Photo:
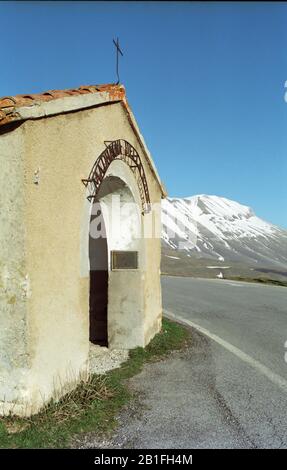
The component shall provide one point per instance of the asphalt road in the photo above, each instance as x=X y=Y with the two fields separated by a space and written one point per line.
x=228 y=389
x=244 y=327
x=252 y=317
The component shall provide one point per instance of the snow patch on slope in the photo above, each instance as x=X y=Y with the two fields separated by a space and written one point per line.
x=221 y=228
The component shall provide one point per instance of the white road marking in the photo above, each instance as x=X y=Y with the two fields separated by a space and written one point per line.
x=231 y=284
x=272 y=376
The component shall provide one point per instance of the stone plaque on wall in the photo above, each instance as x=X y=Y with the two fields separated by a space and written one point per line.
x=124 y=260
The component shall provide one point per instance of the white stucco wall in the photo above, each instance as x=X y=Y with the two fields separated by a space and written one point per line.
x=14 y=278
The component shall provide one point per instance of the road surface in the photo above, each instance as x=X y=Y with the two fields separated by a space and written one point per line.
x=228 y=389
x=252 y=317
x=244 y=326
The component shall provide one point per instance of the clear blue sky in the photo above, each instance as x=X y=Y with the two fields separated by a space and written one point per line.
x=205 y=82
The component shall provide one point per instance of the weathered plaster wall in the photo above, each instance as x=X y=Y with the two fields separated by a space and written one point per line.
x=152 y=291
x=57 y=153
x=14 y=278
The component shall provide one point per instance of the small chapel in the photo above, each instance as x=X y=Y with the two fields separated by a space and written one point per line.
x=78 y=266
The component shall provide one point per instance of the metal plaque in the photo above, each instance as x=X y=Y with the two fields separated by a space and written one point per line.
x=124 y=259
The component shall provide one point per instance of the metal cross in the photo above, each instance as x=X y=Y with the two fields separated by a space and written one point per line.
x=117 y=44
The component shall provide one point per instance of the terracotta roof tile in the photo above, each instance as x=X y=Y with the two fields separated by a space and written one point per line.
x=9 y=104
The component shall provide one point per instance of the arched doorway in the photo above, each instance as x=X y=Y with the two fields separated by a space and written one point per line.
x=122 y=290
x=115 y=226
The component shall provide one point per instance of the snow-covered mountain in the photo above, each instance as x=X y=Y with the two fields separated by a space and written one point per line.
x=212 y=227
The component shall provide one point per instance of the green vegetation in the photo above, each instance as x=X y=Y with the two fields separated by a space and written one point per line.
x=94 y=404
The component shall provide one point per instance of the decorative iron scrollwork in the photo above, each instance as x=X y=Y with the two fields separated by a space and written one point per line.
x=118 y=150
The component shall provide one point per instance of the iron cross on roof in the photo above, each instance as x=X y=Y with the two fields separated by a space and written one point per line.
x=117 y=44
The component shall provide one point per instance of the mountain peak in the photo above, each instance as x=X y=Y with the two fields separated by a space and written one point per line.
x=217 y=227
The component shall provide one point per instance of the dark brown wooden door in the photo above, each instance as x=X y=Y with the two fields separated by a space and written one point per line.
x=98 y=256
x=98 y=307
